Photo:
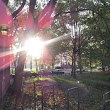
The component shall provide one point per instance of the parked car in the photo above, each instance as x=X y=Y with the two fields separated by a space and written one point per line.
x=58 y=70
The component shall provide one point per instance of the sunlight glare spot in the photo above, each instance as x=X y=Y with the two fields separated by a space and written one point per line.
x=65 y=36
x=34 y=47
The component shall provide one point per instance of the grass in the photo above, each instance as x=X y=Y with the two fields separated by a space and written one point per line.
x=29 y=80
x=67 y=79
x=93 y=85
x=97 y=76
x=95 y=80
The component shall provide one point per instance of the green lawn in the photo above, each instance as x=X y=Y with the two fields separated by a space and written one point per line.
x=92 y=87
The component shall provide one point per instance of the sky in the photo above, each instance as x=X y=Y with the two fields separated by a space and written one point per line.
x=12 y=1
x=40 y=1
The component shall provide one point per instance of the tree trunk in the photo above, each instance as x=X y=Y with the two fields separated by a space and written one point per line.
x=22 y=54
x=79 y=52
x=73 y=72
x=19 y=72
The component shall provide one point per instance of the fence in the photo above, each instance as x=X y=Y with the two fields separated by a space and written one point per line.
x=45 y=97
x=106 y=101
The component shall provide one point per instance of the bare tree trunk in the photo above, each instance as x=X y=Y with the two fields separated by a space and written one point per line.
x=73 y=72
x=21 y=61
x=79 y=52
x=19 y=72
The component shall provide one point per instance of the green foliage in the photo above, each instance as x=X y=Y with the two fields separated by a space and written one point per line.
x=95 y=29
x=12 y=70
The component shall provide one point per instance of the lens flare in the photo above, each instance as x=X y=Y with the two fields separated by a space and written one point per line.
x=34 y=47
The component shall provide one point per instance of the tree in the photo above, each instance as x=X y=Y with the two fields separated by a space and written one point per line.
x=22 y=54
x=94 y=21
x=98 y=30
x=30 y=26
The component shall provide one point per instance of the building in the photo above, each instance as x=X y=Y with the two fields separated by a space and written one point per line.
x=5 y=59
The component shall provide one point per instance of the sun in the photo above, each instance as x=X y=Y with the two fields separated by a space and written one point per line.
x=34 y=47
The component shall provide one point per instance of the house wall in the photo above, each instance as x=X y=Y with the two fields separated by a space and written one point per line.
x=5 y=59
x=4 y=82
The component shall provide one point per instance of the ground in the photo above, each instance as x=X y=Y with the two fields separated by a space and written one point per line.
x=55 y=89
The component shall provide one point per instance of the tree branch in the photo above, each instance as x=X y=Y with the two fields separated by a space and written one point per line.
x=15 y=13
x=32 y=6
x=103 y=2
x=79 y=10
x=5 y=2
